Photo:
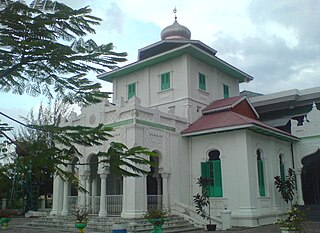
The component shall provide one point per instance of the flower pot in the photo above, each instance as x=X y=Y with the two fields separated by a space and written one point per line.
x=157 y=224
x=80 y=226
x=286 y=230
x=211 y=227
x=5 y=223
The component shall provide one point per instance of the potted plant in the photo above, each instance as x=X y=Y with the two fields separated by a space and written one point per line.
x=156 y=217
x=286 y=186
x=202 y=202
x=81 y=214
x=5 y=217
x=292 y=224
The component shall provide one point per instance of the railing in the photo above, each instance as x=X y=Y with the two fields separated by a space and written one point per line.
x=94 y=203
x=154 y=202
x=114 y=205
x=73 y=203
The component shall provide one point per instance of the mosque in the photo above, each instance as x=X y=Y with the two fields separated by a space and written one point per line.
x=182 y=101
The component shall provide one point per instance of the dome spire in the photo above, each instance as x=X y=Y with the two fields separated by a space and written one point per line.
x=175 y=13
x=176 y=31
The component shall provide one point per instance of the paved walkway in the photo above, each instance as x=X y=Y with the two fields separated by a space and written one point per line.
x=309 y=227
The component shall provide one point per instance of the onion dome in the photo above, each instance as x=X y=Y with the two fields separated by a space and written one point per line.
x=176 y=31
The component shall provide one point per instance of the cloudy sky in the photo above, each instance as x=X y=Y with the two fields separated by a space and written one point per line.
x=276 y=42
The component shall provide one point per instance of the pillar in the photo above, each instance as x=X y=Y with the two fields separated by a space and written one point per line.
x=65 y=206
x=88 y=193
x=299 y=187
x=165 y=191
x=94 y=196
x=57 y=194
x=82 y=201
x=103 y=196
x=134 y=197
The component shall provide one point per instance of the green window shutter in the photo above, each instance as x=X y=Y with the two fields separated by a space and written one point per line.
x=131 y=90
x=165 y=81
x=282 y=172
x=225 y=91
x=202 y=82
x=217 y=178
x=205 y=173
x=262 y=190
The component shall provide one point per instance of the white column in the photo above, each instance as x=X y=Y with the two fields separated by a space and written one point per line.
x=65 y=207
x=299 y=187
x=94 y=195
x=57 y=193
x=103 y=196
x=165 y=191
x=88 y=193
x=134 y=197
x=82 y=202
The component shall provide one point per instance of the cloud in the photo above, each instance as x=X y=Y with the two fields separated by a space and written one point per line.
x=283 y=51
x=113 y=18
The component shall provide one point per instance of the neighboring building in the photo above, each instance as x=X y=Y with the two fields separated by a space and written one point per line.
x=182 y=101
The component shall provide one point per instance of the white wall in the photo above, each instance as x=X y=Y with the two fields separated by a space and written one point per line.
x=239 y=173
x=184 y=96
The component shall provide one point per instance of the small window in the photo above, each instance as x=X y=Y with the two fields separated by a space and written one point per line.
x=131 y=90
x=202 y=82
x=225 y=91
x=260 y=165
x=165 y=81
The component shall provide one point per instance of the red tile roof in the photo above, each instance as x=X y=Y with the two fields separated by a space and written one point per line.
x=223 y=104
x=231 y=113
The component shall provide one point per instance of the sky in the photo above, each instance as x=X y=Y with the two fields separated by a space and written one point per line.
x=276 y=42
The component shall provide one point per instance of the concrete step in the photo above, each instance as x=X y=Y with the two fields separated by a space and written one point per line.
x=95 y=225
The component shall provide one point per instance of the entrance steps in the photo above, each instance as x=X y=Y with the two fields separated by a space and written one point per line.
x=53 y=224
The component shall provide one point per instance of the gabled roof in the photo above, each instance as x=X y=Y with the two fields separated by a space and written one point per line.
x=233 y=114
x=233 y=104
x=188 y=48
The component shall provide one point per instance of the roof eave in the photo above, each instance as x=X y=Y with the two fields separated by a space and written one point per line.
x=188 y=48
x=253 y=127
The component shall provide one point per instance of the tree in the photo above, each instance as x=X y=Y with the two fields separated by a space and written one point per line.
x=36 y=59
x=43 y=53
x=286 y=186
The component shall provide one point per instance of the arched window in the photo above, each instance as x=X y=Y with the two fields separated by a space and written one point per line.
x=282 y=167
x=212 y=170
x=260 y=165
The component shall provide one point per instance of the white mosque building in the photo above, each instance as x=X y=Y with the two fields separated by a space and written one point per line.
x=182 y=101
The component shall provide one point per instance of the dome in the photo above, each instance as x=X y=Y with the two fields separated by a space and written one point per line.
x=176 y=31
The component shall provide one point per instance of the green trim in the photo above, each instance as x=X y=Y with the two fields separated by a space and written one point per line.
x=214 y=61
x=141 y=122
x=155 y=125
x=120 y=123
x=309 y=137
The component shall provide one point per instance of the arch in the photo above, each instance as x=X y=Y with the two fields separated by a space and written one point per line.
x=154 y=184
x=212 y=147
x=310 y=178
x=261 y=172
